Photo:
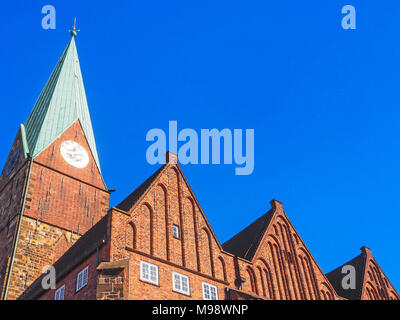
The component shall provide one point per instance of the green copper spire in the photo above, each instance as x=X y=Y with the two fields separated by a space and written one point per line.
x=61 y=103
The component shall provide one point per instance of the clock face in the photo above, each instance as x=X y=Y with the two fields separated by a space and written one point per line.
x=74 y=154
x=12 y=161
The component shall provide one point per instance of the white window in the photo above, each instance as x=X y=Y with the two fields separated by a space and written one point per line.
x=210 y=292
x=82 y=279
x=59 y=295
x=148 y=272
x=175 y=231
x=180 y=283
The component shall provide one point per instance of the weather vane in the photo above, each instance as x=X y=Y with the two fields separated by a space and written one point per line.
x=74 y=32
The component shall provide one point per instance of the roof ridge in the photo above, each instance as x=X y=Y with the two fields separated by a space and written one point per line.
x=245 y=242
x=358 y=256
x=134 y=196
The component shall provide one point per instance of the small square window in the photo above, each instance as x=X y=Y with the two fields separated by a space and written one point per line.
x=180 y=283
x=210 y=292
x=82 y=279
x=148 y=272
x=175 y=231
x=59 y=294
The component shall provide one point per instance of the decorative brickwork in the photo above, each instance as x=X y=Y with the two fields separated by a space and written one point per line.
x=283 y=268
x=376 y=285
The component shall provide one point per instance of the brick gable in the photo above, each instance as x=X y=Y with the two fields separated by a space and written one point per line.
x=285 y=261
x=376 y=285
x=169 y=201
x=371 y=283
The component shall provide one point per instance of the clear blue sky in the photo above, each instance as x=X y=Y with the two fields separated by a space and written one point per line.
x=324 y=103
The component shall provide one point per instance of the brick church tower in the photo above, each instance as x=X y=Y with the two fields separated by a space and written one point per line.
x=51 y=188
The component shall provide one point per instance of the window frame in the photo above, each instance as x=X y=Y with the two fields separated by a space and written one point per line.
x=81 y=284
x=210 y=286
x=149 y=280
x=57 y=292
x=176 y=227
x=180 y=290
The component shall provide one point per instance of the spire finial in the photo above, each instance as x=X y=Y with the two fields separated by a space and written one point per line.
x=74 y=32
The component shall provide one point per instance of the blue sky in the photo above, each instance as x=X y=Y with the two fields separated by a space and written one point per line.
x=323 y=101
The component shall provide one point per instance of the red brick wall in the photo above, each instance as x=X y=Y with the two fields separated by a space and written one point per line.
x=11 y=195
x=139 y=289
x=63 y=195
x=62 y=203
x=51 y=157
x=90 y=290
x=86 y=293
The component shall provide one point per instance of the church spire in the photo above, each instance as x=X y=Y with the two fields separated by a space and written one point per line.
x=60 y=104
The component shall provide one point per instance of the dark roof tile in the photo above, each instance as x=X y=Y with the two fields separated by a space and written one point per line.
x=336 y=276
x=128 y=203
x=245 y=243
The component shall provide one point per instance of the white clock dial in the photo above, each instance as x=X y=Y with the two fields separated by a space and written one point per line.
x=74 y=154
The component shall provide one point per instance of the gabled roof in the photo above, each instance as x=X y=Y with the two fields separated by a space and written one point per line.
x=245 y=243
x=60 y=104
x=371 y=281
x=128 y=203
x=172 y=161
x=335 y=277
